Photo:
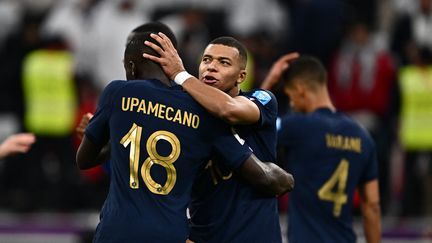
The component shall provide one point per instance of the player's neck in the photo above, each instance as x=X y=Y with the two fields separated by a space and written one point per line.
x=159 y=76
x=233 y=92
x=320 y=100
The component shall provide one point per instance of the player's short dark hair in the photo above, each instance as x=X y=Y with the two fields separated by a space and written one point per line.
x=136 y=47
x=232 y=42
x=155 y=27
x=308 y=69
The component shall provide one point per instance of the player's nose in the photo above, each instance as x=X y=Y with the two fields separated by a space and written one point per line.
x=211 y=66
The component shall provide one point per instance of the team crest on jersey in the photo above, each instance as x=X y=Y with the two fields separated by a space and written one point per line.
x=262 y=96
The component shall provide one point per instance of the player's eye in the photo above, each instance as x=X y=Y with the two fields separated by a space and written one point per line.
x=225 y=63
x=206 y=59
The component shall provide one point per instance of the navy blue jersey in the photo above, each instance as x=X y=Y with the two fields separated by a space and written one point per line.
x=224 y=208
x=160 y=138
x=329 y=155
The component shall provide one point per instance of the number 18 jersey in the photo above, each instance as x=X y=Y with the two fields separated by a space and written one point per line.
x=160 y=137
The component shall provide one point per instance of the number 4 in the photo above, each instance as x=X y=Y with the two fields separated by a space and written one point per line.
x=339 y=198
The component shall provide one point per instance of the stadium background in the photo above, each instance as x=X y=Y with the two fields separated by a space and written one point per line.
x=56 y=57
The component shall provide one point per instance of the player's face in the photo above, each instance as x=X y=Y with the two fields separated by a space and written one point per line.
x=221 y=68
x=296 y=95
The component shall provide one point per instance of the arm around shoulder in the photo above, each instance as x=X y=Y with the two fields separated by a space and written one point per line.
x=233 y=110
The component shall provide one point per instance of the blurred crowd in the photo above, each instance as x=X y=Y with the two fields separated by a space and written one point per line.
x=56 y=57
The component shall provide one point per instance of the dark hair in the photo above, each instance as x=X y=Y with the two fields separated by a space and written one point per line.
x=308 y=69
x=135 y=48
x=231 y=42
x=155 y=27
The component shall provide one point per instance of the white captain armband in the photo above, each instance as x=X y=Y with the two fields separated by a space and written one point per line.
x=181 y=77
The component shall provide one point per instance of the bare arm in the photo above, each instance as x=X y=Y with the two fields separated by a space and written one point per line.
x=371 y=212
x=237 y=110
x=233 y=110
x=277 y=69
x=17 y=143
x=266 y=177
x=89 y=155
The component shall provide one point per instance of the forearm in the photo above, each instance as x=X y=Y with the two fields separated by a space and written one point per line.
x=372 y=222
x=102 y=157
x=215 y=101
x=277 y=69
x=89 y=156
x=280 y=180
x=267 y=177
x=270 y=81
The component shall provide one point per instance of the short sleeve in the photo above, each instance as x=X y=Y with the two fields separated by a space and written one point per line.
x=98 y=128
x=267 y=104
x=232 y=150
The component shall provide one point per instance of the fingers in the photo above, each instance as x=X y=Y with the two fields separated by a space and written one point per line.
x=155 y=47
x=21 y=148
x=290 y=57
x=20 y=143
x=83 y=124
x=88 y=115
x=167 y=51
x=23 y=139
x=283 y=62
x=163 y=40
x=167 y=40
x=153 y=58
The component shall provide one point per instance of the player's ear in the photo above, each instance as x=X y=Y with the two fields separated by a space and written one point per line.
x=241 y=77
x=299 y=87
x=132 y=68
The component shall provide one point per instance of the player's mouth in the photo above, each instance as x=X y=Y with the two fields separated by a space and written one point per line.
x=208 y=79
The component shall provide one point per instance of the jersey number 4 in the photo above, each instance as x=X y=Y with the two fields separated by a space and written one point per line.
x=133 y=138
x=338 y=196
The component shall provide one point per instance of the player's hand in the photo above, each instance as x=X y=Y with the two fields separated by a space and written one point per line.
x=83 y=125
x=18 y=143
x=169 y=58
x=277 y=69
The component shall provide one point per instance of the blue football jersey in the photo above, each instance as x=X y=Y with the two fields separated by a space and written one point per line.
x=160 y=138
x=329 y=155
x=226 y=209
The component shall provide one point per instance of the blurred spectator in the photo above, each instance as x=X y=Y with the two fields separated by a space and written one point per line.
x=24 y=39
x=246 y=17
x=96 y=31
x=50 y=105
x=73 y=20
x=361 y=83
x=416 y=133
x=10 y=13
x=411 y=30
x=113 y=22
x=190 y=25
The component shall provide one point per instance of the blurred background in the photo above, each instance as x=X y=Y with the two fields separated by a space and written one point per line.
x=57 y=56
